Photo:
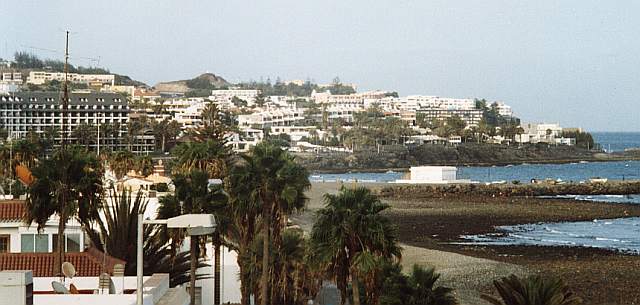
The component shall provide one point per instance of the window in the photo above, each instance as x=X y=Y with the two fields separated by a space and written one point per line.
x=34 y=243
x=72 y=242
x=4 y=244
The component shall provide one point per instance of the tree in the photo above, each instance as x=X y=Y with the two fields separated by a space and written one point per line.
x=117 y=230
x=533 y=290
x=350 y=232
x=165 y=130
x=193 y=196
x=416 y=289
x=277 y=184
x=143 y=165
x=209 y=156
x=84 y=134
x=215 y=124
x=68 y=184
x=121 y=162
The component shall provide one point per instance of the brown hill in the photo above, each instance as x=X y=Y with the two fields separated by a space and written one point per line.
x=203 y=81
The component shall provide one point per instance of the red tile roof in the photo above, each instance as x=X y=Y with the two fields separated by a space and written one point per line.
x=11 y=210
x=88 y=263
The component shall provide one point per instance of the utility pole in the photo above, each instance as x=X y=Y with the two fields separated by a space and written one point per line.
x=59 y=258
x=65 y=94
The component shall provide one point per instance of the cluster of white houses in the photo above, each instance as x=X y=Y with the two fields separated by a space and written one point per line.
x=21 y=112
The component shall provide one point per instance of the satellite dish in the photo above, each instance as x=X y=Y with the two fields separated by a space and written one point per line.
x=68 y=270
x=59 y=288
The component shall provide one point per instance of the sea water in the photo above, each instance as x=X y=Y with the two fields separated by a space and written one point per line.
x=576 y=171
x=618 y=170
x=621 y=234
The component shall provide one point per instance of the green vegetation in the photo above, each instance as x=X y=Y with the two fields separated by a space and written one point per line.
x=69 y=184
x=416 y=289
x=281 y=89
x=350 y=236
x=533 y=290
x=25 y=60
x=583 y=139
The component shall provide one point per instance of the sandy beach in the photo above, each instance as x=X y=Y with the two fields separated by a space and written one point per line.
x=428 y=226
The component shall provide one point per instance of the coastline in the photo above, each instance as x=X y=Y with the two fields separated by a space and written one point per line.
x=344 y=170
x=428 y=226
x=599 y=276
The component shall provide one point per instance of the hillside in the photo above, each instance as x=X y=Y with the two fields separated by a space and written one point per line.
x=206 y=81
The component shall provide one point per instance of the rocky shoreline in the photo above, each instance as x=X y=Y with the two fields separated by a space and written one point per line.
x=407 y=191
x=468 y=154
x=598 y=276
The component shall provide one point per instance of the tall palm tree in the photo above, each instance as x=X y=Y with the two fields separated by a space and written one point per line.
x=532 y=290
x=243 y=216
x=193 y=196
x=277 y=184
x=69 y=184
x=349 y=232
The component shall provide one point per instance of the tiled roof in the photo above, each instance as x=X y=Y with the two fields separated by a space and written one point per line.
x=11 y=210
x=88 y=263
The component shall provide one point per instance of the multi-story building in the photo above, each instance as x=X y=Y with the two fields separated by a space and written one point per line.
x=471 y=117
x=275 y=117
x=226 y=95
x=41 y=77
x=539 y=132
x=504 y=109
x=23 y=112
x=425 y=101
x=10 y=82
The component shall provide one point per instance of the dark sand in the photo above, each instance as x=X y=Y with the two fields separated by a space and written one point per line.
x=598 y=276
x=427 y=226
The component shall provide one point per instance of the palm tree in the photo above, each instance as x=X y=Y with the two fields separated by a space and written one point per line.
x=276 y=183
x=209 y=156
x=143 y=165
x=84 y=134
x=121 y=163
x=350 y=233
x=424 y=293
x=68 y=184
x=117 y=231
x=242 y=229
x=193 y=196
x=533 y=290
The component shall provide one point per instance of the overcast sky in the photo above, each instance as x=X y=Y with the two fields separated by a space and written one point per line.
x=572 y=62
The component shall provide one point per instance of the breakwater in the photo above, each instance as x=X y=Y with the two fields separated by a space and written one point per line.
x=408 y=191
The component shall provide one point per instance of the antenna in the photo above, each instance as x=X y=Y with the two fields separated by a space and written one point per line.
x=65 y=97
x=68 y=270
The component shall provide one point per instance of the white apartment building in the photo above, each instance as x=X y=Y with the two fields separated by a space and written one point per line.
x=226 y=95
x=295 y=132
x=504 y=109
x=41 y=77
x=274 y=117
x=10 y=82
x=425 y=101
x=539 y=133
x=355 y=100
x=22 y=112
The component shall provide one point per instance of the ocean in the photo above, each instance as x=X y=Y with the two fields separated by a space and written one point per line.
x=621 y=234
x=617 y=141
x=579 y=171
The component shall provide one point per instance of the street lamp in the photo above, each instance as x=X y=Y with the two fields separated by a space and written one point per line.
x=196 y=224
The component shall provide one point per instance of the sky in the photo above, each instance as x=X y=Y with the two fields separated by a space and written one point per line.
x=576 y=63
